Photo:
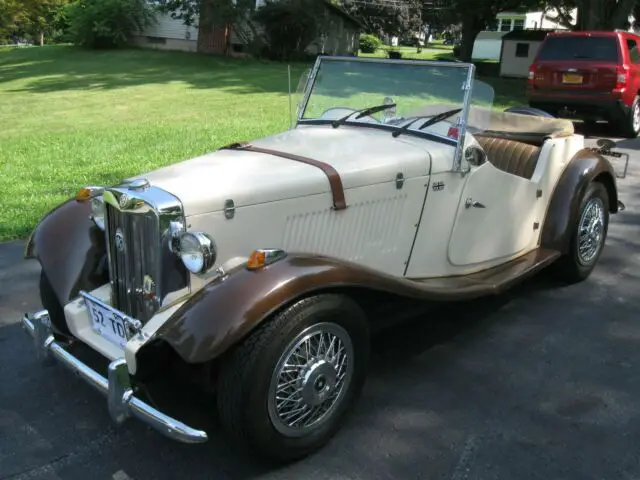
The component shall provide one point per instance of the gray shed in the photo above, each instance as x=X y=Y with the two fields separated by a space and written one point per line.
x=519 y=49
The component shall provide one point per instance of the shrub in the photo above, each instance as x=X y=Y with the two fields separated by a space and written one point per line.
x=396 y=54
x=369 y=43
x=107 y=23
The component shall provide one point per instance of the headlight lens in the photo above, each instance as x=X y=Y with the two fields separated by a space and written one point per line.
x=97 y=211
x=198 y=251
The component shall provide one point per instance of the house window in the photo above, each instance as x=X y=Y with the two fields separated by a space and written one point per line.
x=522 y=50
x=518 y=25
x=505 y=25
x=160 y=40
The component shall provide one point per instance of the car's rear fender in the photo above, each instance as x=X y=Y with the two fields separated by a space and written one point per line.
x=561 y=216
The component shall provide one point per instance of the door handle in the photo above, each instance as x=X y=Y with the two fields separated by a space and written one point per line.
x=470 y=203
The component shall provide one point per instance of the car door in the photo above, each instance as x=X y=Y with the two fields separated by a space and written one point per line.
x=495 y=219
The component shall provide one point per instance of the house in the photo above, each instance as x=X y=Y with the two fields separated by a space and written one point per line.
x=519 y=49
x=168 y=34
x=526 y=20
x=342 y=37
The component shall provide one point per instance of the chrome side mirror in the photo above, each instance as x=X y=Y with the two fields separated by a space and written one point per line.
x=475 y=155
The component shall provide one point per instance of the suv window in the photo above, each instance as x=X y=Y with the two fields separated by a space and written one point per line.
x=634 y=55
x=580 y=48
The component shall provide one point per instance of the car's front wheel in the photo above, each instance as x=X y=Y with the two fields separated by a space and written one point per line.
x=587 y=238
x=286 y=389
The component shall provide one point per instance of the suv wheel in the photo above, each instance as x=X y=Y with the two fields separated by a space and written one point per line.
x=631 y=124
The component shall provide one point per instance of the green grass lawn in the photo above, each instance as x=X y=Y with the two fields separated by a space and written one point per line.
x=70 y=117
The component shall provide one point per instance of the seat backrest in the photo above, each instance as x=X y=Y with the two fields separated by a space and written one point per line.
x=511 y=156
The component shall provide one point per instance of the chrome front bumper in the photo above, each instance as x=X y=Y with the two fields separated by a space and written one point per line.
x=117 y=387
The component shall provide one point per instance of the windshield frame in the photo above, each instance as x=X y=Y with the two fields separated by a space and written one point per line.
x=463 y=118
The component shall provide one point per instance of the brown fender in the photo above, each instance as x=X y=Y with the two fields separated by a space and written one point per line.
x=584 y=168
x=227 y=309
x=70 y=249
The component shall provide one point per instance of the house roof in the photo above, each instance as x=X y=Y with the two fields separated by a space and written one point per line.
x=527 y=35
x=337 y=9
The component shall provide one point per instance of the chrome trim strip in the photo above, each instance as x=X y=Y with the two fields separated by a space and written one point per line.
x=122 y=402
x=463 y=119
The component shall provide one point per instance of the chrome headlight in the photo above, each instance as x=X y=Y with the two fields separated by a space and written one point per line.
x=98 y=211
x=198 y=251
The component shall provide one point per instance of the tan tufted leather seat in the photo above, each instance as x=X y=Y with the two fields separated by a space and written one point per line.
x=510 y=156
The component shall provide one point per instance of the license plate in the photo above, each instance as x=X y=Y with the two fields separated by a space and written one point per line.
x=107 y=323
x=571 y=78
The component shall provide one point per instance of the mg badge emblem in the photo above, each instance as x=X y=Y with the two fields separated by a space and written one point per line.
x=124 y=199
x=119 y=240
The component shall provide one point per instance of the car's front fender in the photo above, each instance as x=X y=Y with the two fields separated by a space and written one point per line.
x=69 y=248
x=223 y=312
x=584 y=168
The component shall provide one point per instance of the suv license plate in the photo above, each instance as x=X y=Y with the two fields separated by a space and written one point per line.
x=571 y=78
x=107 y=323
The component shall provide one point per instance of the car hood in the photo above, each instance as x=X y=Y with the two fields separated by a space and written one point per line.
x=362 y=156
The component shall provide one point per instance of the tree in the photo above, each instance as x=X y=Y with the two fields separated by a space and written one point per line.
x=34 y=17
x=107 y=23
x=42 y=16
x=593 y=14
x=393 y=17
x=11 y=16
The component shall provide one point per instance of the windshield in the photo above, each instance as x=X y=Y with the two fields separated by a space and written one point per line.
x=402 y=95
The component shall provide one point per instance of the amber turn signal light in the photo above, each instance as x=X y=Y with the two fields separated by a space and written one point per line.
x=264 y=256
x=87 y=193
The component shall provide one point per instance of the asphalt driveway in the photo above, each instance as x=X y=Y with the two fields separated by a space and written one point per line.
x=541 y=383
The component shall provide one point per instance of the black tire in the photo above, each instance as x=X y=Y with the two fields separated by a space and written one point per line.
x=246 y=374
x=572 y=267
x=629 y=125
x=51 y=303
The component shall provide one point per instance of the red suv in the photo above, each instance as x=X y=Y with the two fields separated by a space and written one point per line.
x=589 y=75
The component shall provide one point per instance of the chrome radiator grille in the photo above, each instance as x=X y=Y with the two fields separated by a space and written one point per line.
x=134 y=240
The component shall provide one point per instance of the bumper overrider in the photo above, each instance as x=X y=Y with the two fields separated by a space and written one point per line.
x=117 y=387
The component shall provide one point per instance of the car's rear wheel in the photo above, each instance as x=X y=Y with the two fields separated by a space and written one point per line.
x=588 y=236
x=630 y=123
x=286 y=389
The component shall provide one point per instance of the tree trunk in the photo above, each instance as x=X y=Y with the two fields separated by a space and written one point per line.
x=41 y=38
x=471 y=26
x=604 y=14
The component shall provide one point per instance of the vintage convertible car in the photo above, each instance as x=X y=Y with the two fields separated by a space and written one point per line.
x=260 y=264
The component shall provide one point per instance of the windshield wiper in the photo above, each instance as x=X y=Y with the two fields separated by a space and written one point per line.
x=406 y=126
x=362 y=113
x=432 y=119
x=440 y=117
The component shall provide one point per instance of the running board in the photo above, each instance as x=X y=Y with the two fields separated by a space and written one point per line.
x=494 y=280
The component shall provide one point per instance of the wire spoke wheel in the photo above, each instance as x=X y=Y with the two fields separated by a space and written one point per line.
x=591 y=233
x=310 y=379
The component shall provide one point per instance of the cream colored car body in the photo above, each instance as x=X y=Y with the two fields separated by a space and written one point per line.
x=413 y=231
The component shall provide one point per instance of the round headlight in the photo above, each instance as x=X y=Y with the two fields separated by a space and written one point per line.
x=97 y=211
x=198 y=251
